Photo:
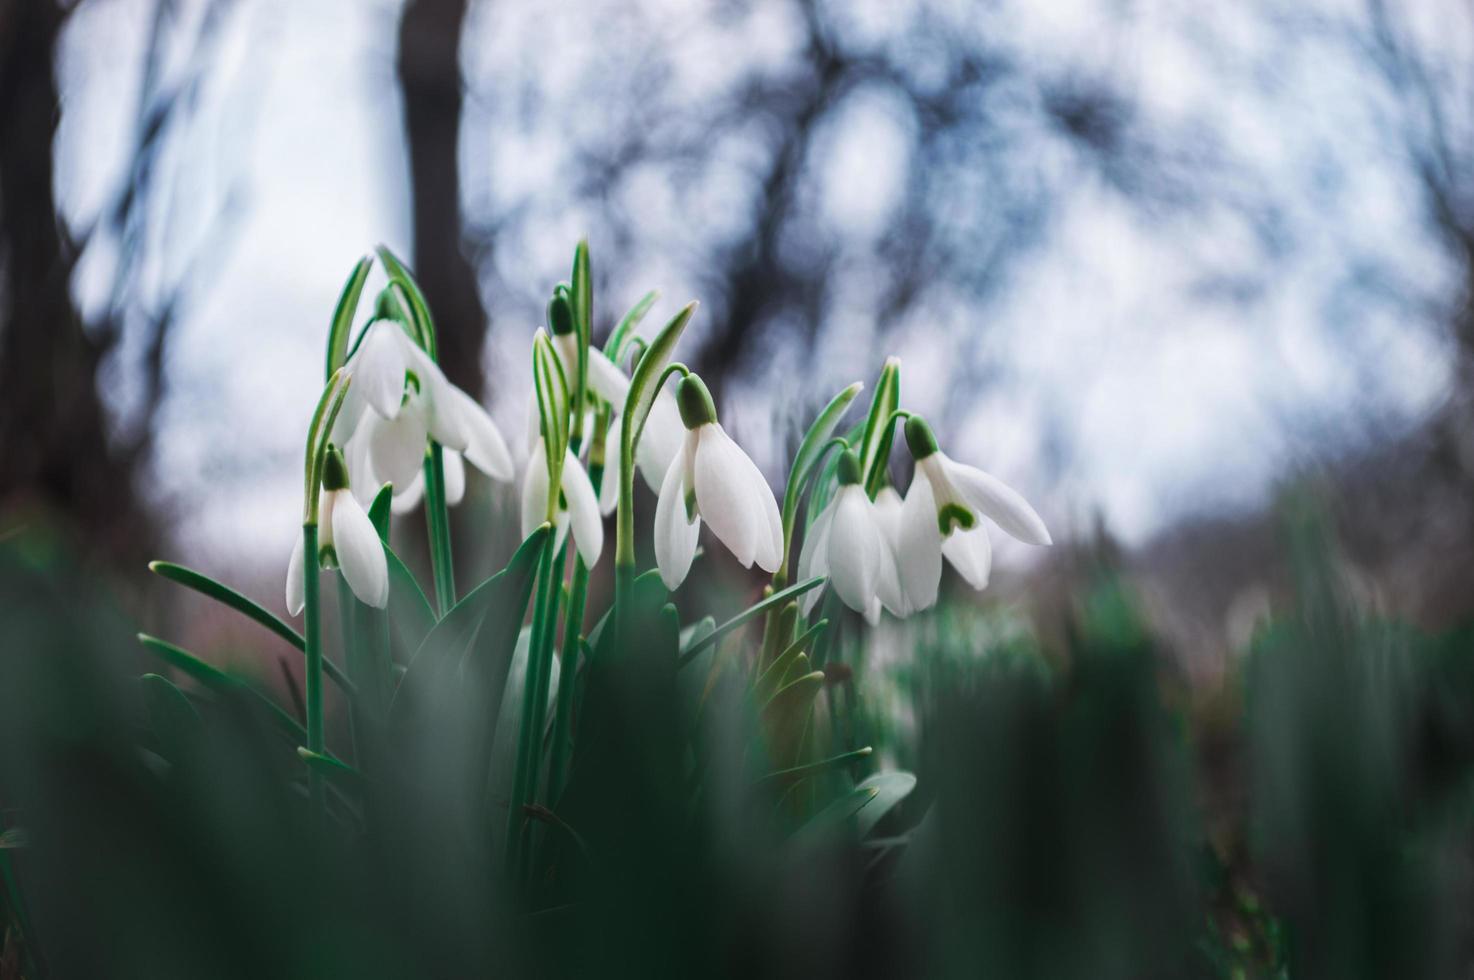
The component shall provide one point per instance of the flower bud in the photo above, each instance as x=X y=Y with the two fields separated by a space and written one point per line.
x=334 y=471
x=694 y=401
x=848 y=470
x=560 y=314
x=919 y=438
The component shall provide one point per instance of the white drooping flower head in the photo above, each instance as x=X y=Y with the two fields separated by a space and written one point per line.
x=942 y=517
x=712 y=479
x=848 y=543
x=400 y=399
x=347 y=538
x=577 y=506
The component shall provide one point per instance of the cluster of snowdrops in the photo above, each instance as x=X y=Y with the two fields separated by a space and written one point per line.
x=390 y=418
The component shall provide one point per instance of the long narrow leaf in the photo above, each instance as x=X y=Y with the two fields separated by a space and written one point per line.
x=226 y=596
x=342 y=326
x=218 y=680
x=619 y=339
x=776 y=599
x=809 y=450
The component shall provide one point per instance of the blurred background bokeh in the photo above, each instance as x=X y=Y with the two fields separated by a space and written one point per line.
x=1144 y=260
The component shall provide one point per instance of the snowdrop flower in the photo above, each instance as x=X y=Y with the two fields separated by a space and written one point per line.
x=346 y=538
x=712 y=478
x=605 y=378
x=578 y=505
x=401 y=398
x=940 y=517
x=848 y=543
x=455 y=485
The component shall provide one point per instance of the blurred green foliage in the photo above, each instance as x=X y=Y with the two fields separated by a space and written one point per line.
x=1059 y=826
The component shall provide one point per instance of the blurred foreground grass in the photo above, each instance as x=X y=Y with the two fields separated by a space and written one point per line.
x=1074 y=816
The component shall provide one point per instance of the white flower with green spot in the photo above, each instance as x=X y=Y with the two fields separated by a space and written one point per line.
x=346 y=538
x=401 y=398
x=712 y=479
x=848 y=542
x=941 y=517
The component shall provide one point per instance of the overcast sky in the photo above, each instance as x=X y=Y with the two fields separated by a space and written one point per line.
x=1159 y=402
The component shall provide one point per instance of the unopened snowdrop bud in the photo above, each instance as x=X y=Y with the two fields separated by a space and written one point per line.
x=711 y=478
x=940 y=517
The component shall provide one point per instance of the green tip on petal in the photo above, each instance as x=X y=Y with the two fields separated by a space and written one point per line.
x=848 y=471
x=955 y=515
x=334 y=471
x=560 y=314
x=694 y=401
x=919 y=438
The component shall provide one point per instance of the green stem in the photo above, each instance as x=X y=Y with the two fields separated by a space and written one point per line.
x=537 y=722
x=572 y=634
x=439 y=520
x=348 y=626
x=522 y=775
x=313 y=681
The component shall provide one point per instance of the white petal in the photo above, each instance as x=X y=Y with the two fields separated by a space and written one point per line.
x=727 y=496
x=360 y=470
x=535 y=490
x=349 y=416
x=675 y=537
x=855 y=549
x=661 y=439
x=997 y=500
x=396 y=450
x=454 y=466
x=441 y=409
x=583 y=510
x=886 y=511
x=378 y=368
x=608 y=381
x=971 y=554
x=296 y=578
x=813 y=557
x=403 y=503
x=485 y=448
x=360 y=552
x=919 y=546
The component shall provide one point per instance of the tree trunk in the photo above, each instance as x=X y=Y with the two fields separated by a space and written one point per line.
x=54 y=446
x=430 y=79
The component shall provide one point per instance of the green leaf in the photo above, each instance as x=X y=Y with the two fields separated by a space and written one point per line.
x=443 y=647
x=786 y=717
x=328 y=406
x=698 y=630
x=803 y=772
x=419 y=309
x=217 y=680
x=583 y=294
x=172 y=717
x=619 y=339
x=782 y=666
x=226 y=596
x=890 y=788
x=643 y=383
x=335 y=769
x=343 y=314
x=878 y=425
x=809 y=451
x=776 y=599
x=409 y=610
x=379 y=511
